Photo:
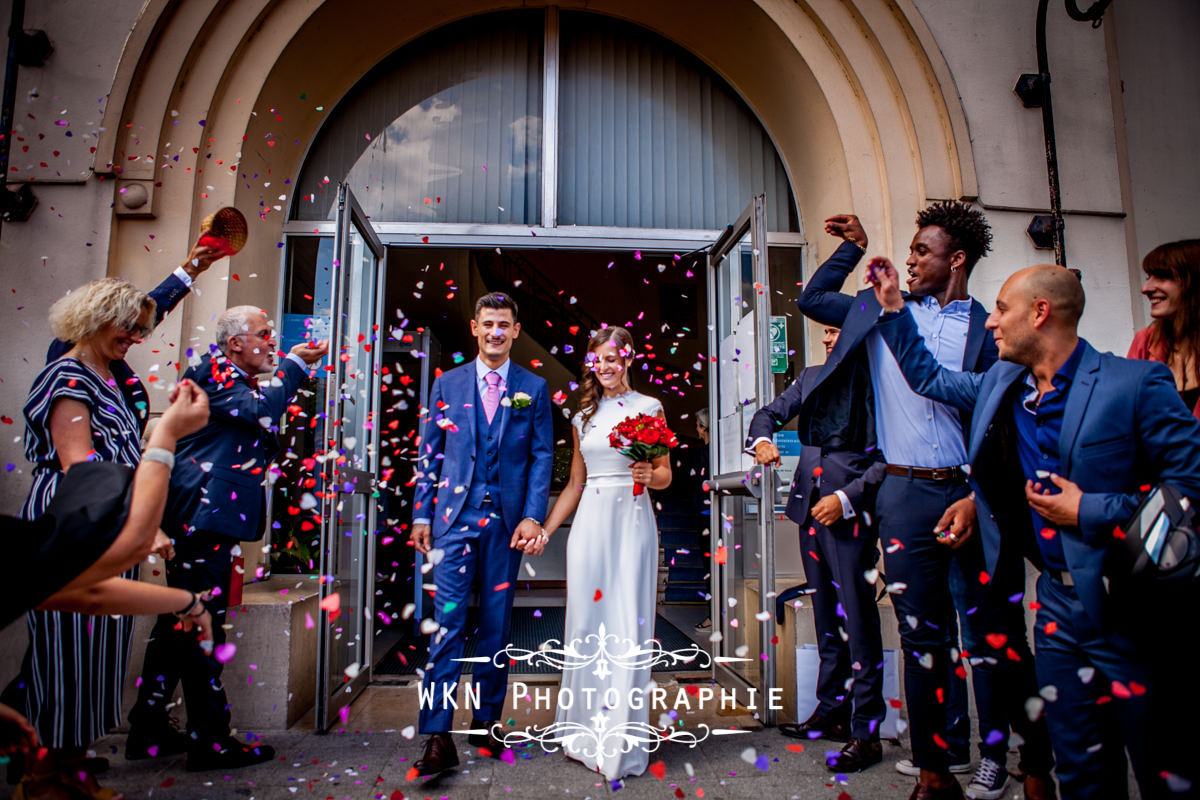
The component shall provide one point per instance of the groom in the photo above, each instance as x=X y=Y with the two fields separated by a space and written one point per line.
x=483 y=484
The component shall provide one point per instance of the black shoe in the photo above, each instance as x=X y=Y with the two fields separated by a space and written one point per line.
x=818 y=727
x=488 y=743
x=440 y=755
x=227 y=753
x=857 y=755
x=156 y=741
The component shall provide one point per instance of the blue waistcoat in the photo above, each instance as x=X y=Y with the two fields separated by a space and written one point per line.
x=485 y=482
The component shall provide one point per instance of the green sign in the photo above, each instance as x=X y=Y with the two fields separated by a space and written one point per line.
x=779 y=348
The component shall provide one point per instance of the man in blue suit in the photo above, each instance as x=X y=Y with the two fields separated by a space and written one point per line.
x=833 y=501
x=1062 y=437
x=216 y=499
x=924 y=446
x=483 y=484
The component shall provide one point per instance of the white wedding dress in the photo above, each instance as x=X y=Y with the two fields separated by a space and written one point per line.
x=612 y=570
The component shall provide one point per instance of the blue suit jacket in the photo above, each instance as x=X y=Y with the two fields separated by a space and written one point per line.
x=446 y=463
x=217 y=483
x=856 y=474
x=166 y=296
x=1124 y=427
x=823 y=301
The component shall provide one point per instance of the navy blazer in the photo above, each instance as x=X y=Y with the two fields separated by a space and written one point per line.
x=822 y=300
x=166 y=296
x=856 y=474
x=217 y=483
x=446 y=464
x=1124 y=427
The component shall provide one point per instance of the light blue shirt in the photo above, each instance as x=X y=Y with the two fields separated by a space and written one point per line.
x=911 y=429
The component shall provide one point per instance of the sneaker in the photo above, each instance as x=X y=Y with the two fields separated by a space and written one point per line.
x=989 y=781
x=905 y=766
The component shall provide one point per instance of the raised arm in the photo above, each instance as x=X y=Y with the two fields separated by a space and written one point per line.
x=924 y=374
x=822 y=298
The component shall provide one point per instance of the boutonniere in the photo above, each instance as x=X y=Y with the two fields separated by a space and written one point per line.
x=520 y=400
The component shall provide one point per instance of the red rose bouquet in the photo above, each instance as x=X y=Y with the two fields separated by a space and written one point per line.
x=642 y=438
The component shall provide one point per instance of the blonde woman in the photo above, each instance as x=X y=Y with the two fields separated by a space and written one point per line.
x=74 y=668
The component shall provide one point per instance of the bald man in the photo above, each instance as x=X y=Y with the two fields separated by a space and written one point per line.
x=1061 y=439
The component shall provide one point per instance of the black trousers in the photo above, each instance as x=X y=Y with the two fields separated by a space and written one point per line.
x=202 y=563
x=835 y=566
x=993 y=627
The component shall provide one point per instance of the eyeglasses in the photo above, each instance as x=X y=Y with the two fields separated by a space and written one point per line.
x=134 y=329
x=266 y=334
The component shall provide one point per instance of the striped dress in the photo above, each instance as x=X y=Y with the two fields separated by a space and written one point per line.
x=75 y=664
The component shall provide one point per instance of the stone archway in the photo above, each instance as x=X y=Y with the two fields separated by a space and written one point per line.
x=216 y=103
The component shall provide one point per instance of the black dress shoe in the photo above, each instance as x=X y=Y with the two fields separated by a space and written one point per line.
x=488 y=742
x=834 y=729
x=227 y=753
x=155 y=741
x=440 y=755
x=857 y=755
x=923 y=792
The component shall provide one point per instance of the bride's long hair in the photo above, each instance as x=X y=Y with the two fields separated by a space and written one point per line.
x=590 y=389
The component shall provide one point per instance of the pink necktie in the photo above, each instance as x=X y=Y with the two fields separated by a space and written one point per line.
x=491 y=395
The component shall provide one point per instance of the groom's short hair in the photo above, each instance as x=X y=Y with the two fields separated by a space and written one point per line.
x=498 y=300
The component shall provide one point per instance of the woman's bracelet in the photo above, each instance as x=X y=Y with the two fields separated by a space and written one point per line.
x=161 y=455
x=190 y=611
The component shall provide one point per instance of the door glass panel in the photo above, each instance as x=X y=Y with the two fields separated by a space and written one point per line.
x=351 y=464
x=741 y=383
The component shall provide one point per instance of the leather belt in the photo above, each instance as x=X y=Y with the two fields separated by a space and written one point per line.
x=1060 y=576
x=928 y=473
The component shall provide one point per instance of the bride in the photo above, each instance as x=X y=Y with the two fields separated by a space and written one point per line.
x=612 y=569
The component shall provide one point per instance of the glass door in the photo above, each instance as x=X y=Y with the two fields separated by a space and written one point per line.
x=740 y=382
x=351 y=456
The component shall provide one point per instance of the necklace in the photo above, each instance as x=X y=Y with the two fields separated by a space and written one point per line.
x=88 y=361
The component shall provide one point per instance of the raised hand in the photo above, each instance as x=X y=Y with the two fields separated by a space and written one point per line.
x=847 y=227
x=200 y=258
x=311 y=352
x=188 y=411
x=882 y=275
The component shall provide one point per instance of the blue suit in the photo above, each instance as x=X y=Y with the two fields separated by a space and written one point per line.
x=1124 y=426
x=476 y=481
x=836 y=558
x=215 y=499
x=938 y=581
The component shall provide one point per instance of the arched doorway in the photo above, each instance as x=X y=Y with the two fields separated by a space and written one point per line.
x=234 y=95
x=581 y=164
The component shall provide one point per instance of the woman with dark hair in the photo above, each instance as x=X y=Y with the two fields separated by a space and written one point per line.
x=1173 y=288
x=612 y=568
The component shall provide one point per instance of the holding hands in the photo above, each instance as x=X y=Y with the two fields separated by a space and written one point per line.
x=529 y=537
